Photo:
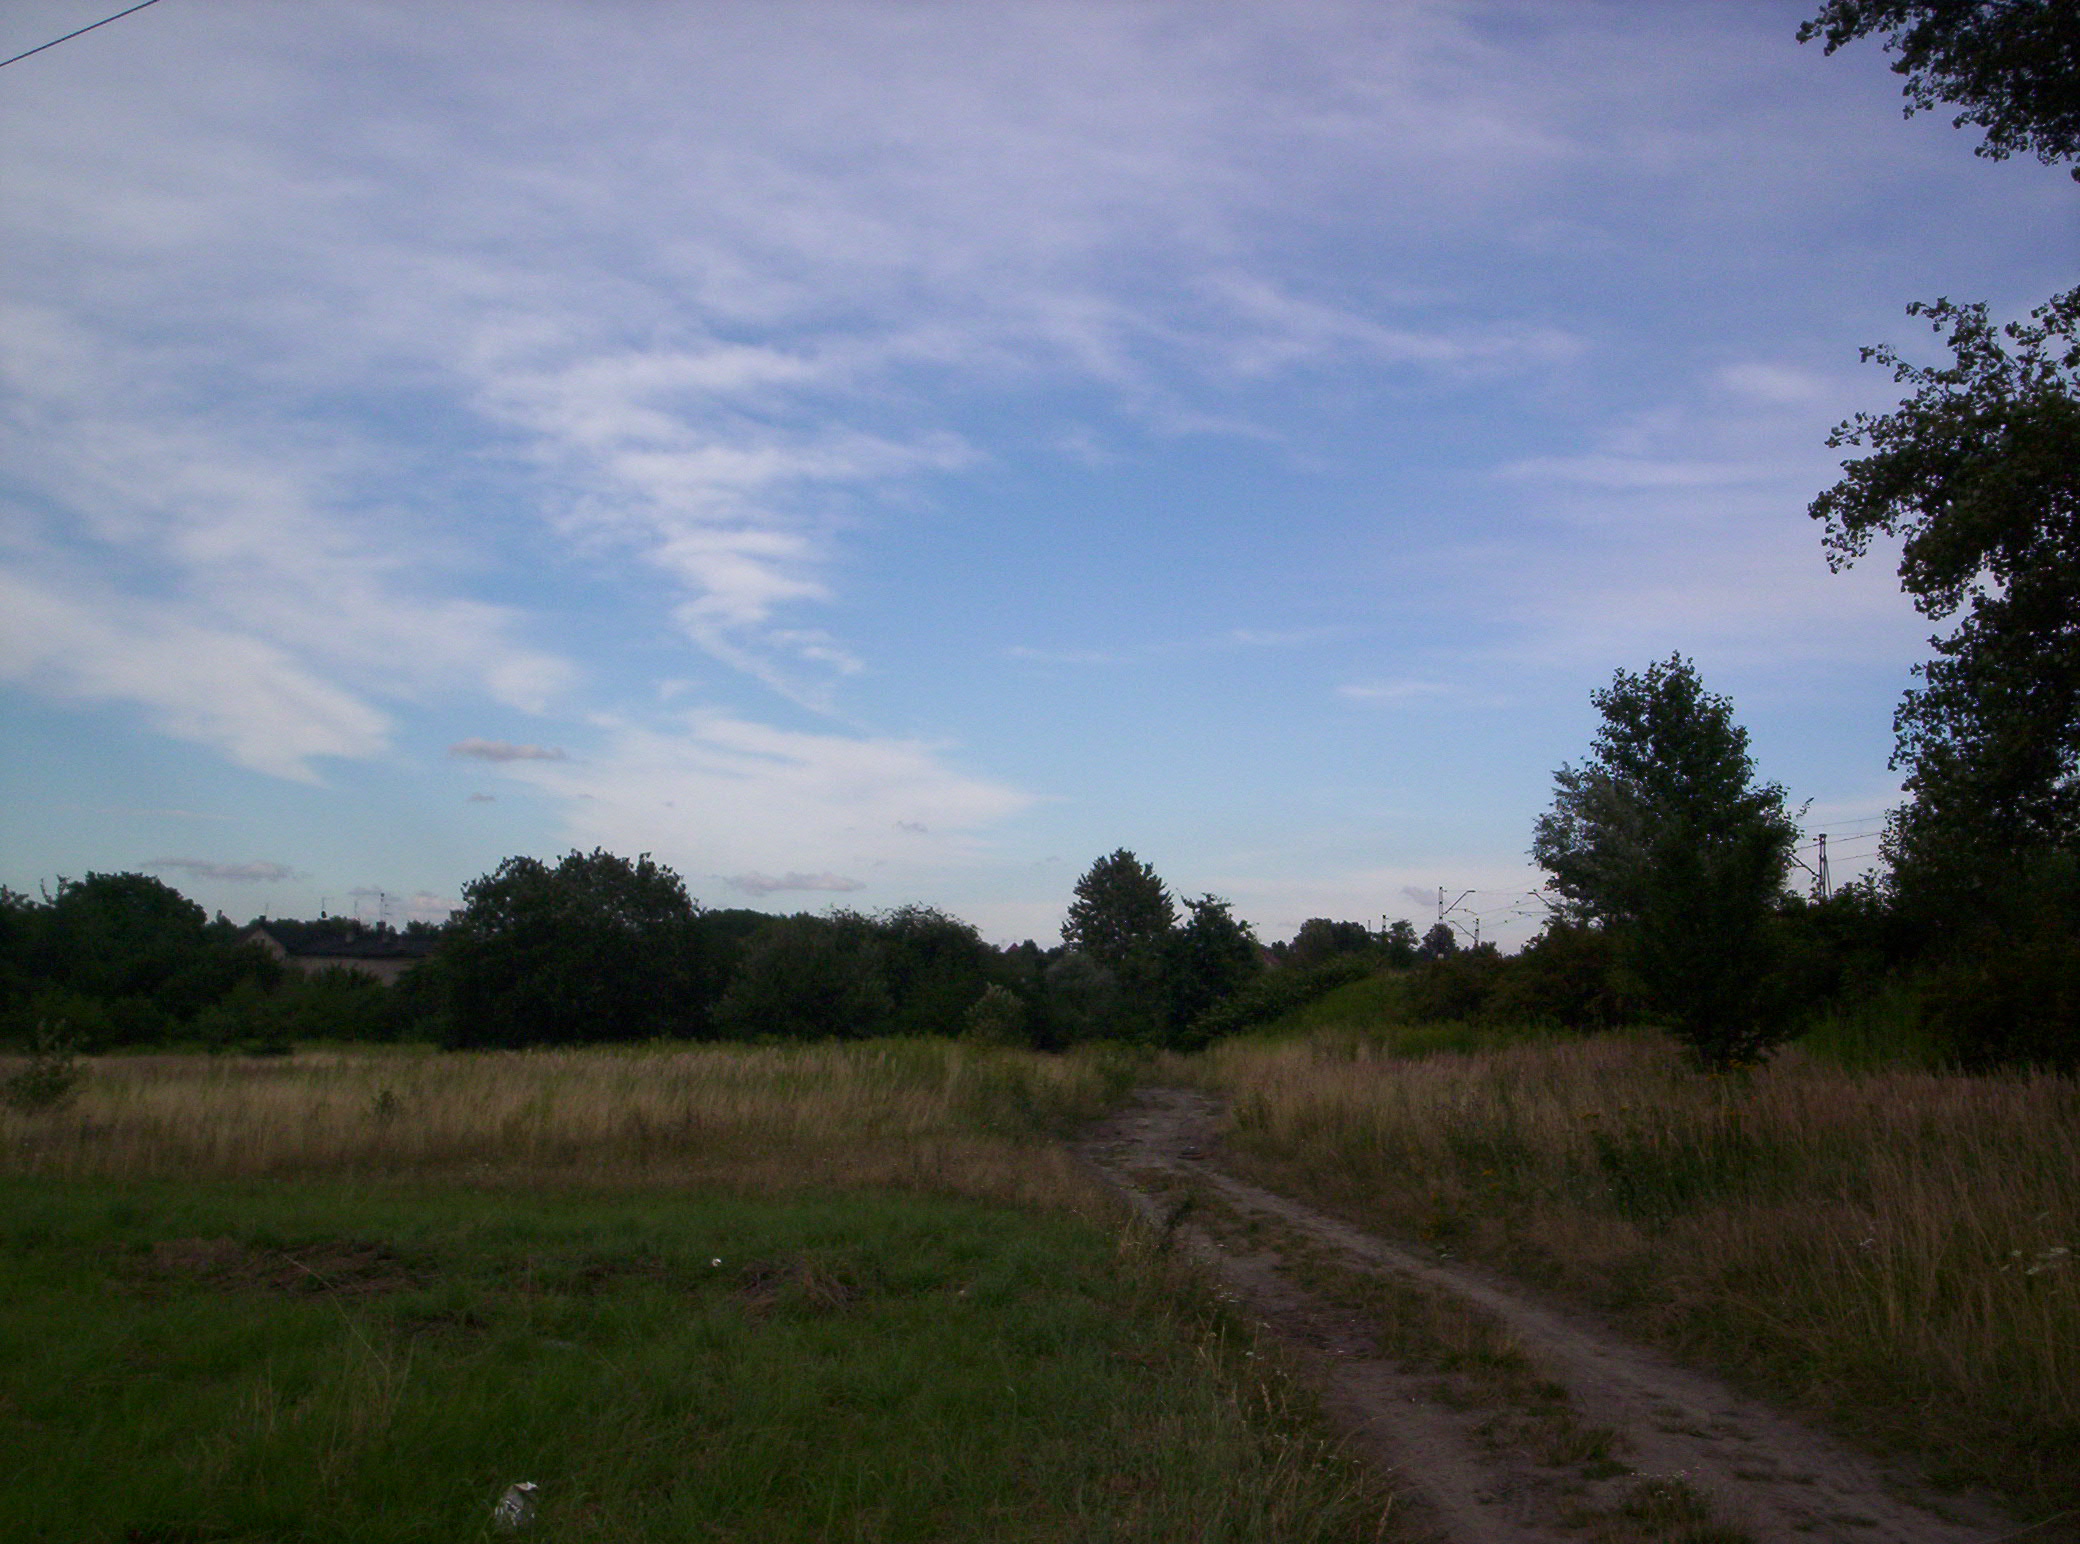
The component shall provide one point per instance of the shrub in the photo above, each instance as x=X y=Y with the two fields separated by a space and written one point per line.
x=1456 y=986
x=1568 y=976
x=52 y=1079
x=998 y=1017
x=809 y=978
x=1276 y=993
x=2019 y=1006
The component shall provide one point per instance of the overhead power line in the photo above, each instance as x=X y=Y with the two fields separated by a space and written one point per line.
x=89 y=27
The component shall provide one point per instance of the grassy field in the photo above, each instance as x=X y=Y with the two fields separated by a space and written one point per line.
x=1890 y=1250
x=838 y=1293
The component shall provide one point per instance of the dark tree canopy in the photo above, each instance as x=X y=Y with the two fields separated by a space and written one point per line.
x=596 y=948
x=1213 y=956
x=2013 y=66
x=1121 y=913
x=1439 y=943
x=116 y=959
x=810 y=978
x=1669 y=768
x=935 y=966
x=1321 y=938
x=1665 y=838
x=1978 y=474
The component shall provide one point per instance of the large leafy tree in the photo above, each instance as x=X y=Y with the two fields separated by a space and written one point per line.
x=1212 y=956
x=1122 y=912
x=1321 y=938
x=935 y=965
x=810 y=978
x=133 y=945
x=2013 y=66
x=1978 y=475
x=595 y=948
x=1664 y=838
x=1122 y=919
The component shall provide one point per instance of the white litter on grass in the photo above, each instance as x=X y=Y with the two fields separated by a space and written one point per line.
x=515 y=1508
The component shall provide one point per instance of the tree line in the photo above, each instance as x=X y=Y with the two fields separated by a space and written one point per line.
x=596 y=948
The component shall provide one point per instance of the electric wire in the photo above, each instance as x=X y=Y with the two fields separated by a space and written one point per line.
x=89 y=27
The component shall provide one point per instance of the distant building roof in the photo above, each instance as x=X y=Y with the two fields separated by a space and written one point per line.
x=359 y=944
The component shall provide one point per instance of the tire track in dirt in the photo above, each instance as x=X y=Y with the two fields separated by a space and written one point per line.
x=1760 y=1473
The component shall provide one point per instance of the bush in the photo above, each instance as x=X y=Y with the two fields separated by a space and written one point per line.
x=1454 y=987
x=998 y=1017
x=809 y=978
x=1274 y=994
x=2007 y=993
x=2019 y=1007
x=52 y=1079
x=1567 y=977
x=595 y=948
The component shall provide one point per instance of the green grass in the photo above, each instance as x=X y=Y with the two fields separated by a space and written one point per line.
x=1372 y=1013
x=1879 y=1030
x=316 y=1360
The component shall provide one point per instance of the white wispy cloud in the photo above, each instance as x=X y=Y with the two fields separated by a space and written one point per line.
x=774 y=884
x=1009 y=219
x=1284 y=637
x=504 y=750
x=713 y=792
x=1392 y=691
x=1035 y=656
x=230 y=579
x=1630 y=472
x=235 y=873
x=210 y=684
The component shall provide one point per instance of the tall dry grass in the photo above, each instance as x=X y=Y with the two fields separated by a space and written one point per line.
x=929 y=1115
x=1889 y=1248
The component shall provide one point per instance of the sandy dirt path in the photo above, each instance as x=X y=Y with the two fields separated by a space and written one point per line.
x=1677 y=1432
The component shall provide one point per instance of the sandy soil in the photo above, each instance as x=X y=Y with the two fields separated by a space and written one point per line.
x=1758 y=1471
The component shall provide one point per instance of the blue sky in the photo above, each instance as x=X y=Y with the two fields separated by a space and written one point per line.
x=886 y=452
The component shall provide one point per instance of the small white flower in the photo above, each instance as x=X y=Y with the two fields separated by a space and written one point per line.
x=2047 y=1259
x=715 y=1262
x=515 y=1509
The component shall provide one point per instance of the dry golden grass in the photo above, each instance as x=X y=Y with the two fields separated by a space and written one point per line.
x=1886 y=1247
x=934 y=1116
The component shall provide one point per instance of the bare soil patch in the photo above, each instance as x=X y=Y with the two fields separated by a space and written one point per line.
x=1514 y=1420
x=337 y=1267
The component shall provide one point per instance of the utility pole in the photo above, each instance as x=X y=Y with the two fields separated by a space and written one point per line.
x=1822 y=876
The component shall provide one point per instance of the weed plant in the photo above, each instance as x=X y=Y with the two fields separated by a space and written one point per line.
x=51 y=1079
x=1890 y=1248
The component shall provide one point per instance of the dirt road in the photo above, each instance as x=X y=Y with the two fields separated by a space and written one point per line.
x=1540 y=1425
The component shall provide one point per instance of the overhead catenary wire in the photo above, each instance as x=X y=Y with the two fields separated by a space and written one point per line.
x=68 y=37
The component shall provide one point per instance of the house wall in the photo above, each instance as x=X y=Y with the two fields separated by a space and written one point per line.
x=384 y=970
